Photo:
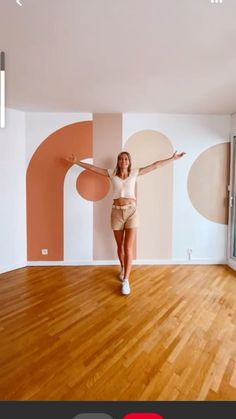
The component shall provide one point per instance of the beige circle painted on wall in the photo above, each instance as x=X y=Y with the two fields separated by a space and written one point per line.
x=208 y=181
x=91 y=186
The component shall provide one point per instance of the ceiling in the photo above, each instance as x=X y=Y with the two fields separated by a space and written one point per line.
x=164 y=56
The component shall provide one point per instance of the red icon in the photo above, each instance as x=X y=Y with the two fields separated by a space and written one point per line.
x=143 y=416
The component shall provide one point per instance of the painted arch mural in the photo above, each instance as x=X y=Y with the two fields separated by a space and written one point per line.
x=101 y=140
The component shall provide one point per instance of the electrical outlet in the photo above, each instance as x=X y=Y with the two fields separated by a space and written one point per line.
x=189 y=253
x=44 y=252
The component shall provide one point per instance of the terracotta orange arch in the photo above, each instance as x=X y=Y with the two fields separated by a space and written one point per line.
x=44 y=182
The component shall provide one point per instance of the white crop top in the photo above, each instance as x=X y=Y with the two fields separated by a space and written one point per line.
x=123 y=188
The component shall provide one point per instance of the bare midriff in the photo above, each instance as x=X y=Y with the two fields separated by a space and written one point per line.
x=123 y=201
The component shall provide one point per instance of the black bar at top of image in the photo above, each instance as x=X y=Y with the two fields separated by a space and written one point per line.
x=117 y=410
x=2 y=61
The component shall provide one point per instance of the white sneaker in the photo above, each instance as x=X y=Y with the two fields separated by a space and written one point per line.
x=121 y=275
x=125 y=288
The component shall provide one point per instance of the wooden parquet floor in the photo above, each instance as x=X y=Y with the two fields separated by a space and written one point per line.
x=68 y=334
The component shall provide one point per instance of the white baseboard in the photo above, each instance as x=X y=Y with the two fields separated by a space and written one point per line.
x=9 y=268
x=73 y=263
x=192 y=261
x=135 y=262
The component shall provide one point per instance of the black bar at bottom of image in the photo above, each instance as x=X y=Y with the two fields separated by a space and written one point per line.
x=118 y=410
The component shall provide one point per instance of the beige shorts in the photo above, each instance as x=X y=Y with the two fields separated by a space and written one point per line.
x=125 y=216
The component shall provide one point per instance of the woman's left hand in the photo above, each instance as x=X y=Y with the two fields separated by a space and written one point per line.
x=177 y=155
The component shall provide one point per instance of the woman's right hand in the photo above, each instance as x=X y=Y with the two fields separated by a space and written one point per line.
x=72 y=158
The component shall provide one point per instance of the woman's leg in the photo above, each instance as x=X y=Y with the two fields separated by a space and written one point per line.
x=119 y=237
x=130 y=234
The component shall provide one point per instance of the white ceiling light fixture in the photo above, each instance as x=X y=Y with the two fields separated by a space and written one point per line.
x=216 y=1
x=2 y=86
x=19 y=3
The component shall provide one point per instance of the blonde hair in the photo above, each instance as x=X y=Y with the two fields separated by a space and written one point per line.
x=117 y=170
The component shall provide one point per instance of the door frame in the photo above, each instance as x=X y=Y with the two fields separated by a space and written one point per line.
x=231 y=260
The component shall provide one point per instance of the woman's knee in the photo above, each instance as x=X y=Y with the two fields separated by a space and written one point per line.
x=128 y=250
x=120 y=248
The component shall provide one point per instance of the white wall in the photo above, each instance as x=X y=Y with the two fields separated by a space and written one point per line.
x=78 y=236
x=12 y=192
x=192 y=134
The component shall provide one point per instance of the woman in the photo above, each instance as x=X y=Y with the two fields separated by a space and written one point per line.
x=124 y=217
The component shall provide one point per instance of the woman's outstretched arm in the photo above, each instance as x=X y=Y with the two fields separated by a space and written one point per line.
x=73 y=159
x=160 y=163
